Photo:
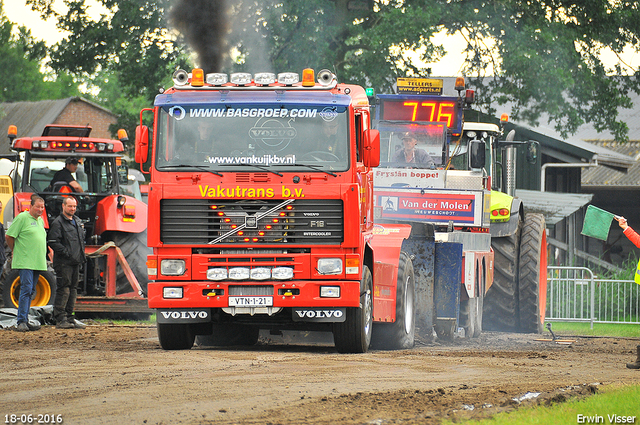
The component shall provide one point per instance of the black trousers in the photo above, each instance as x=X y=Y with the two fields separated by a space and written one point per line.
x=66 y=292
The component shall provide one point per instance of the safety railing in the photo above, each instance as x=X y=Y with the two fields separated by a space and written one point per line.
x=575 y=295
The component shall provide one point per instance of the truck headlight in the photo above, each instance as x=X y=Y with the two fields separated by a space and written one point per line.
x=172 y=267
x=171 y=292
x=329 y=266
x=217 y=274
x=239 y=273
x=282 y=273
x=260 y=273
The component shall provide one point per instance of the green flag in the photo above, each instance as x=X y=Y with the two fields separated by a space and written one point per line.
x=597 y=223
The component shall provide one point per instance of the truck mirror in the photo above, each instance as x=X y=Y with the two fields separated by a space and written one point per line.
x=476 y=154
x=371 y=156
x=532 y=151
x=142 y=144
x=123 y=174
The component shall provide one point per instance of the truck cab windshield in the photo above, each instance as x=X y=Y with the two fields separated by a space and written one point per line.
x=414 y=145
x=238 y=138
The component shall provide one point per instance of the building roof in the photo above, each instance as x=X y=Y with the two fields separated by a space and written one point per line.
x=604 y=176
x=555 y=206
x=31 y=117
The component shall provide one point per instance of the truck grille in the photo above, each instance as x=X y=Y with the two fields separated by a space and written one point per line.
x=200 y=221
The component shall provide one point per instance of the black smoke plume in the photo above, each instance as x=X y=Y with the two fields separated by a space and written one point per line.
x=203 y=24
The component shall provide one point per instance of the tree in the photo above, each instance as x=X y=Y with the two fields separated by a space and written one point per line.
x=20 y=63
x=132 y=39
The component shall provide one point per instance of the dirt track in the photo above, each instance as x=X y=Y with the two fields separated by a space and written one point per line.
x=119 y=375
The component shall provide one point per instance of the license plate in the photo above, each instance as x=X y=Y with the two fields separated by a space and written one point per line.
x=250 y=301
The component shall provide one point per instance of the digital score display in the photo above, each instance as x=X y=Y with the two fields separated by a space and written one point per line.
x=432 y=110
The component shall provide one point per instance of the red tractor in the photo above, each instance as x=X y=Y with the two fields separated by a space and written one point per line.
x=114 y=277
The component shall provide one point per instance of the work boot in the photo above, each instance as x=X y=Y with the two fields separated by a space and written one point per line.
x=65 y=324
x=22 y=327
x=77 y=324
x=33 y=327
x=636 y=364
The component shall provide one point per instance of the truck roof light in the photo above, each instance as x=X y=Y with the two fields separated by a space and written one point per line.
x=12 y=132
x=109 y=146
x=264 y=78
x=122 y=135
x=241 y=78
x=180 y=77
x=101 y=146
x=308 y=79
x=504 y=118
x=469 y=97
x=460 y=84
x=217 y=79
x=325 y=77
x=288 y=78
x=197 y=77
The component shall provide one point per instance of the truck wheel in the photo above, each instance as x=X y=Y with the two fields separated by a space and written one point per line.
x=45 y=289
x=400 y=334
x=354 y=334
x=532 y=282
x=135 y=250
x=500 y=302
x=228 y=335
x=175 y=336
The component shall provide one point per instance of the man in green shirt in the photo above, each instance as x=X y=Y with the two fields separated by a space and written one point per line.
x=27 y=238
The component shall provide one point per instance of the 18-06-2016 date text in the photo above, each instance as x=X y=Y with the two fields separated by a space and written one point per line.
x=33 y=419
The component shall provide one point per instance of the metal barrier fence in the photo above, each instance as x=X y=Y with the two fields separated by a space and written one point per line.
x=575 y=295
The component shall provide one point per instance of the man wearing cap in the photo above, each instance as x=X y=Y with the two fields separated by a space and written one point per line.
x=410 y=155
x=65 y=176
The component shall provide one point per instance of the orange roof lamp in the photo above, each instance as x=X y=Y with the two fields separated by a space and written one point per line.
x=12 y=133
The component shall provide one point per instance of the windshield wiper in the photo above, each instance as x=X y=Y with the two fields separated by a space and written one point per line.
x=262 y=167
x=197 y=167
x=314 y=167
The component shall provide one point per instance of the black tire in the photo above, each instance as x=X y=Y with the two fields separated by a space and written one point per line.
x=532 y=282
x=45 y=289
x=135 y=250
x=175 y=336
x=228 y=335
x=400 y=334
x=501 y=301
x=354 y=334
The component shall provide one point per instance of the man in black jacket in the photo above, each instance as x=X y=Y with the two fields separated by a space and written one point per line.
x=66 y=238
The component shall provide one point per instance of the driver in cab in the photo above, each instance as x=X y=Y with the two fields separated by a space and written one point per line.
x=410 y=155
x=65 y=176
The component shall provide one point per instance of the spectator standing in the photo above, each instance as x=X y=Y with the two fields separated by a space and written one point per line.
x=27 y=238
x=66 y=238
x=635 y=239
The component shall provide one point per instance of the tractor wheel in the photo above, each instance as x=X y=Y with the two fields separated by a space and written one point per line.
x=501 y=300
x=400 y=334
x=175 y=336
x=45 y=289
x=228 y=335
x=532 y=281
x=135 y=250
x=354 y=334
